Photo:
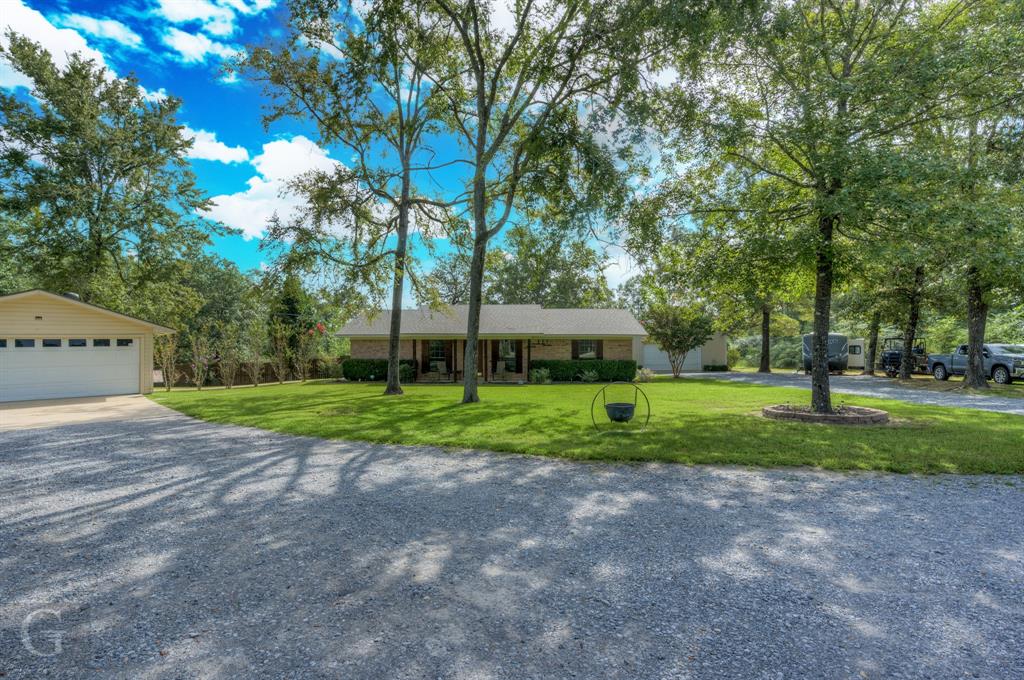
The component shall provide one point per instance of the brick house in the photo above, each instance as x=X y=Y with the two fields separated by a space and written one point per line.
x=511 y=337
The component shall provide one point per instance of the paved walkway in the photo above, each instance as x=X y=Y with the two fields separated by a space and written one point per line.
x=163 y=547
x=876 y=386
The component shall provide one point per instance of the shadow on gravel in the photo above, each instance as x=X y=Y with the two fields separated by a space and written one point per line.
x=175 y=548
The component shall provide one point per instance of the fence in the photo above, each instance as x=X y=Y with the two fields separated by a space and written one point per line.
x=320 y=369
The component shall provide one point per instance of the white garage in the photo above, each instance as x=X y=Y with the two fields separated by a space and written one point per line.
x=54 y=346
x=711 y=353
x=657 y=360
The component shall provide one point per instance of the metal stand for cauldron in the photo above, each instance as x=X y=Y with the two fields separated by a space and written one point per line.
x=621 y=412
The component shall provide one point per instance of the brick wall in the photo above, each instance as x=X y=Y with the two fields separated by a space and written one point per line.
x=378 y=349
x=551 y=349
x=618 y=349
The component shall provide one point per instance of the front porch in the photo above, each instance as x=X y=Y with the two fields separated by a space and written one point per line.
x=498 y=359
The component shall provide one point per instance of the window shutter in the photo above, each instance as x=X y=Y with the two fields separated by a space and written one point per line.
x=425 y=353
x=519 y=356
x=575 y=349
x=495 y=348
x=600 y=349
x=449 y=352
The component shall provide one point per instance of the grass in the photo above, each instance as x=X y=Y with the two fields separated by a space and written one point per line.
x=693 y=421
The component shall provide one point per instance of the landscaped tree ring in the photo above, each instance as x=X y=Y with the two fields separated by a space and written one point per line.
x=629 y=410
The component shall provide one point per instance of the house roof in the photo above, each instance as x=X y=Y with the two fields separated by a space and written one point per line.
x=156 y=328
x=501 y=320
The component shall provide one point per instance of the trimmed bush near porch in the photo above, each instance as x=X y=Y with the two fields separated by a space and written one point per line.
x=377 y=369
x=569 y=370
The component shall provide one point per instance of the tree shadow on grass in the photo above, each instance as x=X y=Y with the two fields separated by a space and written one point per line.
x=173 y=548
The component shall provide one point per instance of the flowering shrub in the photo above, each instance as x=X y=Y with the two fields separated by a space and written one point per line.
x=644 y=375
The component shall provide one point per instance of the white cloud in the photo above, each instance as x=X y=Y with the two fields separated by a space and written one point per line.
x=251 y=210
x=205 y=146
x=108 y=29
x=60 y=42
x=195 y=47
x=153 y=95
x=217 y=18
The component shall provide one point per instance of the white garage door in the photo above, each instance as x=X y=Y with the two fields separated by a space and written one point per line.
x=52 y=368
x=653 y=358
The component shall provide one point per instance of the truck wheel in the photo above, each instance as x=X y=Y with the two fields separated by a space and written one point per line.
x=939 y=372
x=1002 y=375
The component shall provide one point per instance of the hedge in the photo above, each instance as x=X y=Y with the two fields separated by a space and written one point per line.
x=567 y=370
x=377 y=369
x=715 y=367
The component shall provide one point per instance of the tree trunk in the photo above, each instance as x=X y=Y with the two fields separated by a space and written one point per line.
x=872 y=353
x=394 y=385
x=977 y=318
x=821 y=396
x=476 y=276
x=766 y=359
x=469 y=392
x=910 y=330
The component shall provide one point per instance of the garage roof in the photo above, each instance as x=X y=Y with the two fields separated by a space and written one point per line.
x=501 y=320
x=156 y=328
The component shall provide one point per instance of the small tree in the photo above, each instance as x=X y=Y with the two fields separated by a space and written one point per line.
x=199 y=344
x=280 y=350
x=309 y=347
x=228 y=349
x=677 y=330
x=165 y=351
x=251 y=346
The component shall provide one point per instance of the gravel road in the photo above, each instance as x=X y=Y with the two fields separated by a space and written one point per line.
x=877 y=386
x=165 y=547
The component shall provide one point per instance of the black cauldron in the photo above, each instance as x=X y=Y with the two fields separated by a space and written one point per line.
x=620 y=412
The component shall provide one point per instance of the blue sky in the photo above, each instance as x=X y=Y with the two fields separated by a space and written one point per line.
x=178 y=47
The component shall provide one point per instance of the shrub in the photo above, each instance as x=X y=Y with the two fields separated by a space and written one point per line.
x=715 y=367
x=406 y=372
x=567 y=370
x=540 y=376
x=377 y=369
x=644 y=375
x=589 y=375
x=733 y=356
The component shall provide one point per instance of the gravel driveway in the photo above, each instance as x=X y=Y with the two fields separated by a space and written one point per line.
x=877 y=386
x=168 y=547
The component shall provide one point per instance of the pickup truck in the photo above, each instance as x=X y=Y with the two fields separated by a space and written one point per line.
x=1003 y=362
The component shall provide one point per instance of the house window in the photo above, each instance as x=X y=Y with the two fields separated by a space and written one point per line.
x=51 y=342
x=587 y=349
x=3 y=343
x=24 y=342
x=77 y=342
x=855 y=349
x=507 y=354
x=436 y=355
x=101 y=342
x=124 y=342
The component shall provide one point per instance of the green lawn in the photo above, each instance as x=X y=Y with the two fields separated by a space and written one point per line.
x=693 y=421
